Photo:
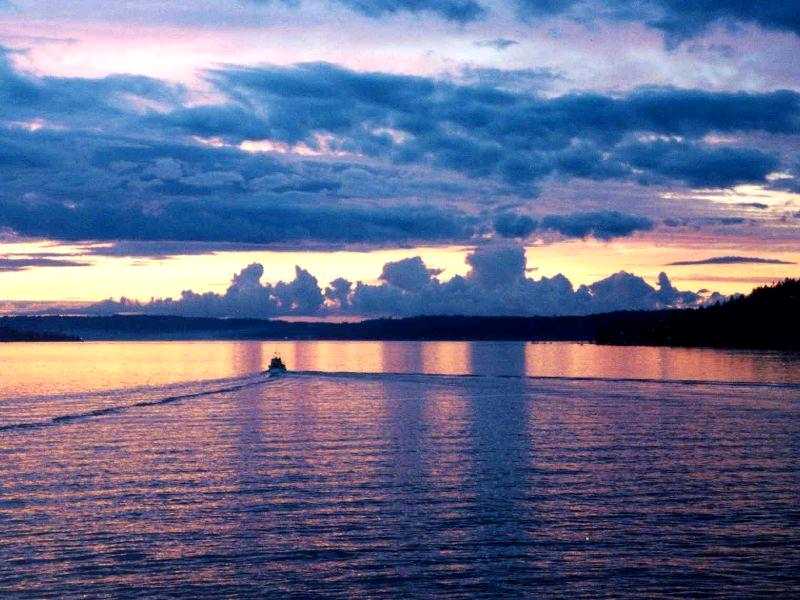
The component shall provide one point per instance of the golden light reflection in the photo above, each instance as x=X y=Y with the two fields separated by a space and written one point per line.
x=59 y=368
x=560 y=359
x=449 y=358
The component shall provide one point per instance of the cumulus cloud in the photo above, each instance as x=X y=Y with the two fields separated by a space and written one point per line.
x=408 y=274
x=245 y=297
x=301 y=295
x=731 y=260
x=497 y=265
x=338 y=294
x=496 y=284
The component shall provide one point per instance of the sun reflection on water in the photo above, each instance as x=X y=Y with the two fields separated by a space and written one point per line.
x=58 y=368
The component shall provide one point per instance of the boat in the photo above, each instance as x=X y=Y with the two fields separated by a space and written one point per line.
x=276 y=367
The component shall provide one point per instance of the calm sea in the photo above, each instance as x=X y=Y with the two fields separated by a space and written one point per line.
x=391 y=470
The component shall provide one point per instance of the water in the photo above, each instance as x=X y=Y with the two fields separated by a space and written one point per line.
x=170 y=470
x=63 y=368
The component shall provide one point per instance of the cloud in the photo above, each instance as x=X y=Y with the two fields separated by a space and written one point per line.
x=498 y=44
x=163 y=249
x=355 y=158
x=497 y=265
x=409 y=274
x=22 y=264
x=338 y=293
x=245 y=297
x=511 y=225
x=460 y=11
x=301 y=295
x=755 y=205
x=510 y=80
x=699 y=166
x=679 y=20
x=731 y=260
x=514 y=137
x=270 y=223
x=496 y=284
x=604 y=225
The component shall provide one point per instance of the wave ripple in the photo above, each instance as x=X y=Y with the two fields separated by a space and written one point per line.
x=387 y=486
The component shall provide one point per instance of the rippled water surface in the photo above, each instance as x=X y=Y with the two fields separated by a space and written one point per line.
x=447 y=472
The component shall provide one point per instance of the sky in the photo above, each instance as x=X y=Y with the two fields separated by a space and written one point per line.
x=154 y=148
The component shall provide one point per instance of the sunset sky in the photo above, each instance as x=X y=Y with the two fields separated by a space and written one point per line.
x=155 y=146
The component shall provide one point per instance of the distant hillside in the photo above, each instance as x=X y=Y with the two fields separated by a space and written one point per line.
x=148 y=327
x=12 y=335
x=767 y=318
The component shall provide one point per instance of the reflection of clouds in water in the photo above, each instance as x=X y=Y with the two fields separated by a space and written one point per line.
x=498 y=454
x=500 y=358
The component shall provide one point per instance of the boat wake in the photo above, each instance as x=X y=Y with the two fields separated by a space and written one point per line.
x=51 y=411
x=545 y=378
x=139 y=397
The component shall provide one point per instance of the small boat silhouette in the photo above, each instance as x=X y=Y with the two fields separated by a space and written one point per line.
x=276 y=367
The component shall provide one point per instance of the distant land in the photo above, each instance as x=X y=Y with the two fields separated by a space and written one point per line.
x=8 y=334
x=766 y=319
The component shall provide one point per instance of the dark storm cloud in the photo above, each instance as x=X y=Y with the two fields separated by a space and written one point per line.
x=120 y=158
x=482 y=131
x=221 y=221
x=731 y=260
x=603 y=225
x=496 y=284
x=700 y=166
x=678 y=19
x=297 y=101
x=164 y=249
x=513 y=225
